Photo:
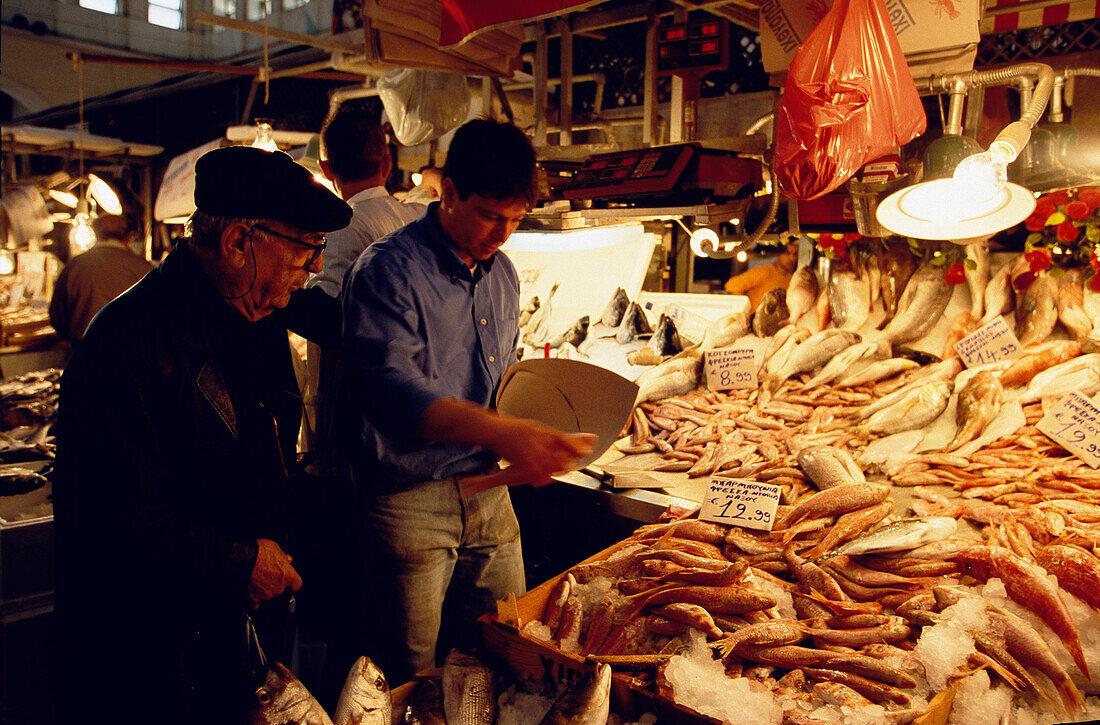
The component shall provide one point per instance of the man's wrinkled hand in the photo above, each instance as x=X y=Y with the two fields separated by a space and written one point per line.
x=272 y=573
x=541 y=451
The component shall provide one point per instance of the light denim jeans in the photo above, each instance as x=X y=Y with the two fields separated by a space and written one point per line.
x=451 y=558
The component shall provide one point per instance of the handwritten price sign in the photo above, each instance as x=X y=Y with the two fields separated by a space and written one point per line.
x=744 y=503
x=989 y=343
x=1074 y=424
x=731 y=368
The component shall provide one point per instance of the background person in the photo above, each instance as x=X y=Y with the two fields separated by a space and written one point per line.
x=430 y=324
x=90 y=280
x=758 y=281
x=175 y=486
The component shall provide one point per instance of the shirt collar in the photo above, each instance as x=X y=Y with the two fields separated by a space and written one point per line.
x=373 y=192
x=441 y=245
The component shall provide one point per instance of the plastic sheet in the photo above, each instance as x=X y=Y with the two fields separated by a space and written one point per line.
x=849 y=99
x=423 y=105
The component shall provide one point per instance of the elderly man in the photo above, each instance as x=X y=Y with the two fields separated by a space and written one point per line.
x=430 y=324
x=176 y=486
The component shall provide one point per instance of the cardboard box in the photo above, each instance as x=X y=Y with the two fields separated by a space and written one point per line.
x=945 y=31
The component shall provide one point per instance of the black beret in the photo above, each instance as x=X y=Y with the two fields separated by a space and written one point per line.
x=250 y=183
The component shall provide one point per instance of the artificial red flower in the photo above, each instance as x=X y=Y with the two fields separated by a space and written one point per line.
x=1091 y=196
x=955 y=274
x=1077 y=210
x=1044 y=208
x=1094 y=257
x=1067 y=232
x=1059 y=197
x=1094 y=283
x=853 y=237
x=1035 y=223
x=1022 y=281
x=1038 y=259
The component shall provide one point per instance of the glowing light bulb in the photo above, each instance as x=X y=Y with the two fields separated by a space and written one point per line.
x=417 y=178
x=265 y=137
x=701 y=235
x=981 y=177
x=7 y=264
x=742 y=257
x=81 y=236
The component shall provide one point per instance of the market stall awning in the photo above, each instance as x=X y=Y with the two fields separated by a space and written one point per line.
x=1004 y=16
x=461 y=20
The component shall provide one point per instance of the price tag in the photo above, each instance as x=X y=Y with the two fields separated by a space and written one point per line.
x=1074 y=423
x=731 y=368
x=987 y=344
x=740 y=502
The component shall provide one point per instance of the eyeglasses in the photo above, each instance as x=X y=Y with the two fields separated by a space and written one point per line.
x=317 y=248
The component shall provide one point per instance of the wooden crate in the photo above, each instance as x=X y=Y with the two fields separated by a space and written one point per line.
x=542 y=662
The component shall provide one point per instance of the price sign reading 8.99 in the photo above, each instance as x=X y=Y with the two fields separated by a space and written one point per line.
x=1074 y=423
x=731 y=368
x=740 y=502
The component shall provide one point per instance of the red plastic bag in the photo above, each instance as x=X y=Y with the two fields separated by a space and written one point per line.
x=849 y=99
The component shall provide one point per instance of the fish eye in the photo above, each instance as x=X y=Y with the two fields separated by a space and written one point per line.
x=263 y=696
x=380 y=683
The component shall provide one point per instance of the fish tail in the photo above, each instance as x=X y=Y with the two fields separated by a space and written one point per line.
x=1074 y=647
x=1072 y=699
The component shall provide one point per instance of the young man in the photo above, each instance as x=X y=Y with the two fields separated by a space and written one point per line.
x=176 y=497
x=430 y=324
x=758 y=281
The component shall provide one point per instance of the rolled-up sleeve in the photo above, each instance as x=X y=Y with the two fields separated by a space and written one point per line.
x=383 y=349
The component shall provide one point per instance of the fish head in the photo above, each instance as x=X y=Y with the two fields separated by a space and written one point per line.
x=368 y=684
x=282 y=698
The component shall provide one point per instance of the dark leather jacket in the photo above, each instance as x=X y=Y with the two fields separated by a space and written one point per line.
x=176 y=448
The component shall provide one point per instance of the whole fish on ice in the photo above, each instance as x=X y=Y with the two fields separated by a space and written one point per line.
x=875 y=371
x=771 y=314
x=1071 y=305
x=897 y=265
x=283 y=700
x=977 y=279
x=916 y=409
x=585 y=702
x=1081 y=374
x=900 y=536
x=365 y=699
x=997 y=296
x=846 y=360
x=725 y=331
x=537 y=330
x=1037 y=310
x=979 y=402
x=828 y=466
x=801 y=292
x=813 y=352
x=921 y=305
x=849 y=297
x=469 y=690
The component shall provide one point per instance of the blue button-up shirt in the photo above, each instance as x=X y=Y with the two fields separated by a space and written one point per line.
x=420 y=326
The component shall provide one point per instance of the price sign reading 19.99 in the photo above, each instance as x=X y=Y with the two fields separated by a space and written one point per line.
x=1074 y=423
x=741 y=503
x=989 y=343
x=731 y=368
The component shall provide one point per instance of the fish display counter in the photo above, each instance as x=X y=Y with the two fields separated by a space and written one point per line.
x=930 y=437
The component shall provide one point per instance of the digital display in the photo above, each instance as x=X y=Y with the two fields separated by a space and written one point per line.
x=704 y=47
x=615 y=173
x=705 y=30
x=672 y=34
x=622 y=161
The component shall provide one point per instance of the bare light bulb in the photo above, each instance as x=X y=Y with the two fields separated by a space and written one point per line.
x=701 y=235
x=265 y=137
x=81 y=236
x=7 y=264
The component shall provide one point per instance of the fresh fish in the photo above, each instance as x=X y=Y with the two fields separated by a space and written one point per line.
x=537 y=330
x=846 y=359
x=849 y=297
x=921 y=305
x=901 y=536
x=1091 y=305
x=666 y=338
x=674 y=376
x=284 y=700
x=897 y=265
x=365 y=699
x=998 y=295
x=814 y=351
x=780 y=346
x=613 y=314
x=832 y=501
x=725 y=331
x=425 y=705
x=529 y=309
x=1043 y=357
x=877 y=371
x=945 y=370
x=977 y=279
x=1071 y=305
x=801 y=292
x=919 y=356
x=824 y=313
x=964 y=324
x=575 y=335
x=15 y=481
x=644 y=356
x=828 y=466
x=916 y=409
x=1079 y=374
x=979 y=402
x=873 y=270
x=771 y=314
x=586 y=702
x=1027 y=585
x=634 y=323
x=469 y=691
x=1077 y=571
x=1037 y=310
